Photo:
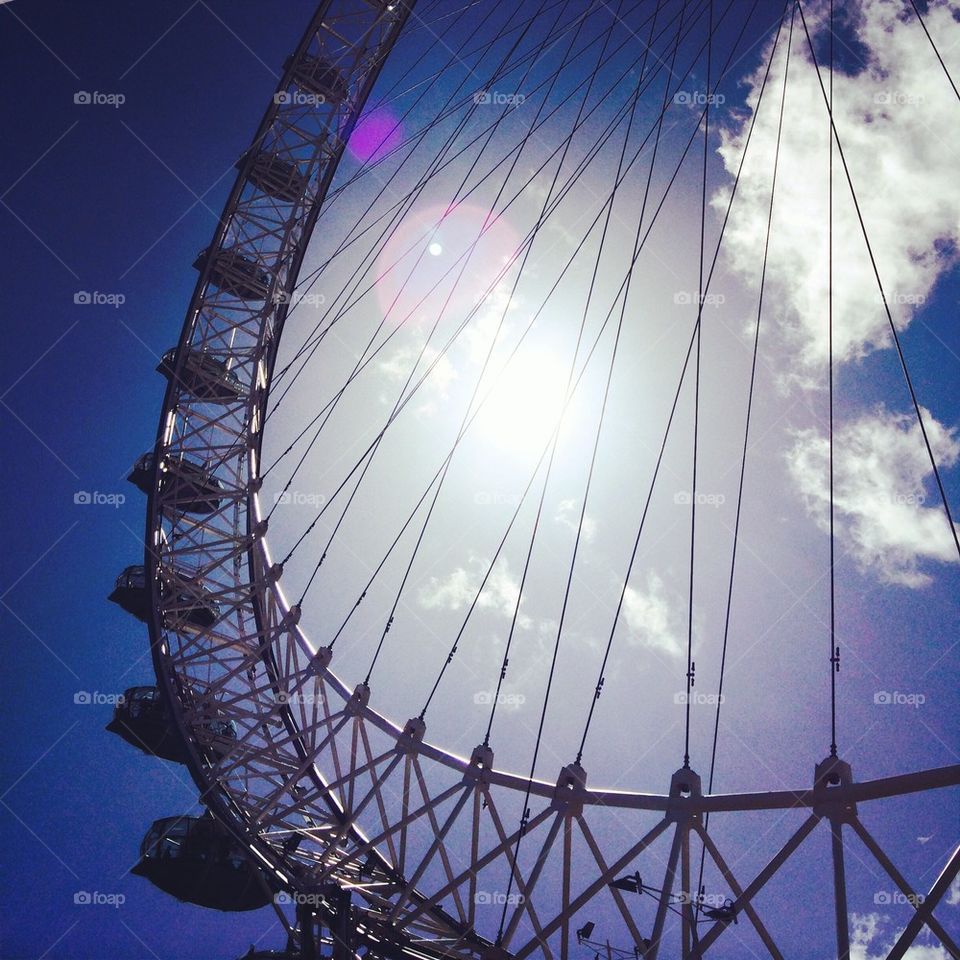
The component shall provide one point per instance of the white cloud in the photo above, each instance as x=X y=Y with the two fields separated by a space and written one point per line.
x=881 y=475
x=457 y=590
x=436 y=386
x=868 y=942
x=568 y=515
x=953 y=894
x=655 y=616
x=897 y=122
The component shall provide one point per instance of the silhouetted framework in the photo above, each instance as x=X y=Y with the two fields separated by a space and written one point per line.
x=370 y=835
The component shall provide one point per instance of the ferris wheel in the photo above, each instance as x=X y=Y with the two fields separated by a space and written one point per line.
x=377 y=591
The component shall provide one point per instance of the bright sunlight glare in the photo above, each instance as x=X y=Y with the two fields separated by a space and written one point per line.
x=524 y=400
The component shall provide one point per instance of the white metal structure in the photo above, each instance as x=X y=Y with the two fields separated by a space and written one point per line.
x=328 y=793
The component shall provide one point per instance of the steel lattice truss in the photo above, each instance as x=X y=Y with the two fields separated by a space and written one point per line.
x=323 y=789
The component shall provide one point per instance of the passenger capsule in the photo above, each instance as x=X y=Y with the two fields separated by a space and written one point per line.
x=197 y=860
x=204 y=376
x=320 y=78
x=189 y=610
x=276 y=177
x=235 y=273
x=188 y=485
x=143 y=720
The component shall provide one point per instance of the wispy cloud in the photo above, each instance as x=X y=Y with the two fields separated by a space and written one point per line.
x=568 y=515
x=882 y=477
x=654 y=615
x=871 y=940
x=896 y=119
x=457 y=590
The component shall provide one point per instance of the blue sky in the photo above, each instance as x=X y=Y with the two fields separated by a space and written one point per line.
x=89 y=207
x=115 y=201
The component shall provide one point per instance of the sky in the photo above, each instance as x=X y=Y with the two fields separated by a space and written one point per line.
x=105 y=205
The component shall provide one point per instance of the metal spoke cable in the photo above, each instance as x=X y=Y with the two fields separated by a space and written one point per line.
x=571 y=181
x=676 y=397
x=445 y=164
x=593 y=459
x=466 y=418
x=886 y=306
x=834 y=653
x=696 y=405
x=923 y=24
x=746 y=435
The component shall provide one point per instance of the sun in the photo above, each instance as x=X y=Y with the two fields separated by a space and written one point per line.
x=524 y=400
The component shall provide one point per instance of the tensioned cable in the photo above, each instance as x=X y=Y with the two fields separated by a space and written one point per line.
x=834 y=653
x=593 y=459
x=572 y=179
x=609 y=314
x=490 y=351
x=636 y=544
x=502 y=273
x=883 y=296
x=696 y=403
x=746 y=435
x=310 y=343
x=935 y=50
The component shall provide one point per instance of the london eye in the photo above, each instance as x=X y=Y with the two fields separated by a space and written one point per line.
x=469 y=564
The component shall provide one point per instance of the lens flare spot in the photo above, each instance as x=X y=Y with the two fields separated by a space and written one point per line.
x=375 y=135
